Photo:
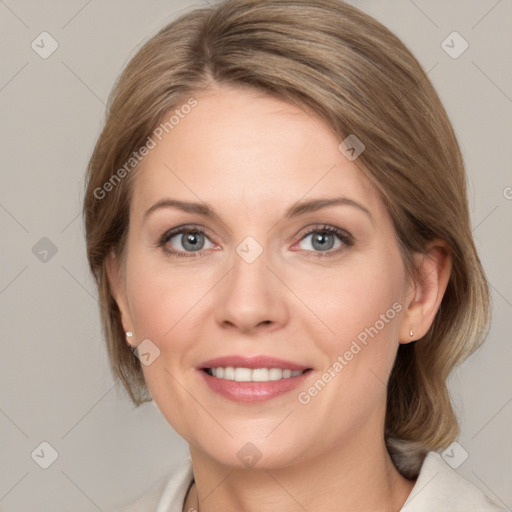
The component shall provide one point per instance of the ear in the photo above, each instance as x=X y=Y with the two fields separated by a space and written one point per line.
x=426 y=292
x=115 y=275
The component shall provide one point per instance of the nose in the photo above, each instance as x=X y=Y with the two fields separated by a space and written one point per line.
x=251 y=297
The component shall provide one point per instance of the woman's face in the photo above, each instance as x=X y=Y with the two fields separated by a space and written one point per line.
x=254 y=282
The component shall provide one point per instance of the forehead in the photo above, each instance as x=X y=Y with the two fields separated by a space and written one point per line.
x=242 y=150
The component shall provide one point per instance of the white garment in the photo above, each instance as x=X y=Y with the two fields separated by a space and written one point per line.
x=438 y=489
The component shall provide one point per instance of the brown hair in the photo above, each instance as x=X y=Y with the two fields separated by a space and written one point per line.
x=339 y=63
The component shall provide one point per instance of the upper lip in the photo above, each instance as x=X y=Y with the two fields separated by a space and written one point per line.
x=253 y=362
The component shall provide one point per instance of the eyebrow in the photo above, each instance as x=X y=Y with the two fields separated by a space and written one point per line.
x=295 y=210
x=313 y=205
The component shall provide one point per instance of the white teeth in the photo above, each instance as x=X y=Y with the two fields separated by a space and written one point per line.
x=254 y=375
x=275 y=374
x=243 y=374
x=260 y=375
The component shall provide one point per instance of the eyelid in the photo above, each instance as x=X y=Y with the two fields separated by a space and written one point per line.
x=326 y=228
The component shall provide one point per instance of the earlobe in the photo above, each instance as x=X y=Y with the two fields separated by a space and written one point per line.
x=434 y=269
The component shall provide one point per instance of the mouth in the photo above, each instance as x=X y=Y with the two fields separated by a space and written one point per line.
x=242 y=374
x=252 y=379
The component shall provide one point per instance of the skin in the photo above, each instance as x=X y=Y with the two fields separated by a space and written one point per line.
x=250 y=157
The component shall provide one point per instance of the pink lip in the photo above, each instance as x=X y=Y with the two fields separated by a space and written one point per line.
x=252 y=362
x=253 y=391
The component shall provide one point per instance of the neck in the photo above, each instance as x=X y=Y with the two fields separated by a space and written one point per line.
x=345 y=478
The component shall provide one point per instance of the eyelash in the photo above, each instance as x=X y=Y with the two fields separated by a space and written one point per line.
x=344 y=237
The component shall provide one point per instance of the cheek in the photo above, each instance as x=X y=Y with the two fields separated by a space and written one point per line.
x=164 y=305
x=361 y=307
x=168 y=306
x=162 y=296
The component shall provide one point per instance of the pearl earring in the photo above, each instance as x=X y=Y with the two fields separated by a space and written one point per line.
x=129 y=334
x=411 y=334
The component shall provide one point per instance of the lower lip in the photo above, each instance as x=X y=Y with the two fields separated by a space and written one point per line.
x=253 y=391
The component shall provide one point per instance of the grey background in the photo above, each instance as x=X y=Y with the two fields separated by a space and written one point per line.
x=55 y=385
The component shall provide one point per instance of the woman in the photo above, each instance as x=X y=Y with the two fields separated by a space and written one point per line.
x=277 y=222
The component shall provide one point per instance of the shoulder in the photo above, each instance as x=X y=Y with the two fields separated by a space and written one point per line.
x=168 y=494
x=440 y=488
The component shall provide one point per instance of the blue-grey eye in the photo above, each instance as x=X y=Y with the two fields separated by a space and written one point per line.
x=189 y=241
x=322 y=240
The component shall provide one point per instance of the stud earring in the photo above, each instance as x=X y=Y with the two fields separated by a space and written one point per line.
x=411 y=334
x=129 y=335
